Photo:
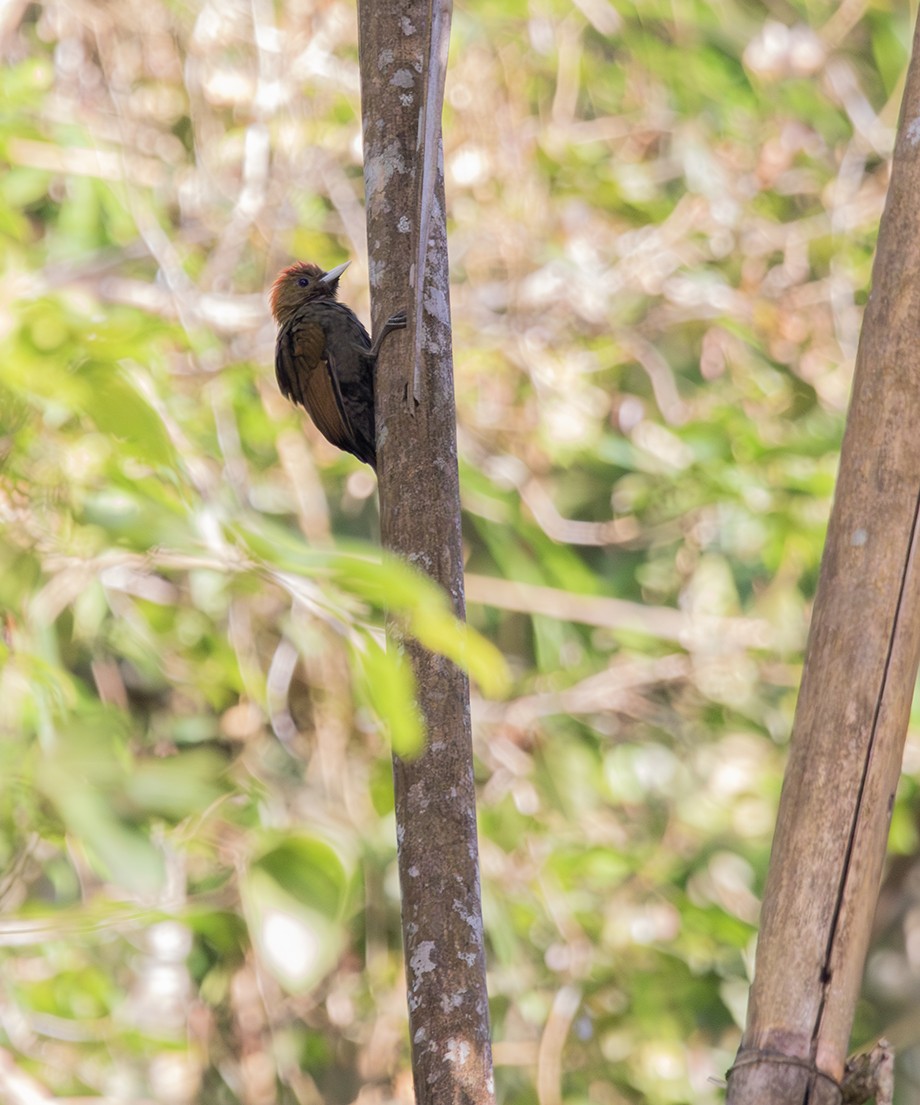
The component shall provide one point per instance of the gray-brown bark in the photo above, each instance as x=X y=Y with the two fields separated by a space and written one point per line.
x=420 y=520
x=857 y=686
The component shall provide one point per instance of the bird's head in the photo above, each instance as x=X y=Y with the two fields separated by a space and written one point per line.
x=302 y=283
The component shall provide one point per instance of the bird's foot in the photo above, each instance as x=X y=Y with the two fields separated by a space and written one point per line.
x=394 y=322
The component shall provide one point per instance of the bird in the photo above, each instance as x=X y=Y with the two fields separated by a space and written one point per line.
x=324 y=358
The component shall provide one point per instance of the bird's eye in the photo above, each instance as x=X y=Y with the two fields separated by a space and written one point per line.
x=303 y=282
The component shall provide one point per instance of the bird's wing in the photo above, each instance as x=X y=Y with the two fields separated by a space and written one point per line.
x=359 y=444
x=306 y=376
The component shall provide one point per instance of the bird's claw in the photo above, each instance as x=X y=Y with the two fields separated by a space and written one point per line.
x=394 y=322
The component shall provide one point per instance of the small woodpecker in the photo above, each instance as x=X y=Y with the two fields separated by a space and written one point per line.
x=324 y=358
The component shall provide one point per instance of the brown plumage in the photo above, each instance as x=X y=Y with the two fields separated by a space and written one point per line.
x=324 y=358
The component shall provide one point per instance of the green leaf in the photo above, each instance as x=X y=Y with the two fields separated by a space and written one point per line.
x=417 y=602
x=388 y=686
x=119 y=409
x=121 y=850
x=424 y=611
x=179 y=785
x=294 y=895
x=438 y=630
x=308 y=869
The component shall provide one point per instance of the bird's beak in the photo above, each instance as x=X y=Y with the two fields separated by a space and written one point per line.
x=333 y=274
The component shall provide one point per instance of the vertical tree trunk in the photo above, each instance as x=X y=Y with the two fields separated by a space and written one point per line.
x=857 y=687
x=420 y=520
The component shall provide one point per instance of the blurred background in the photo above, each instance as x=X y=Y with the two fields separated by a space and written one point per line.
x=662 y=218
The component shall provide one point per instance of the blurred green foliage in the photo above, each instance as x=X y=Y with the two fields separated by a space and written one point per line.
x=662 y=220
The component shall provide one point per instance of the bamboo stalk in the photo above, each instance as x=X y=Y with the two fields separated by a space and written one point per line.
x=857 y=686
